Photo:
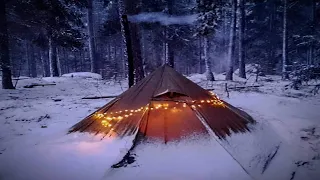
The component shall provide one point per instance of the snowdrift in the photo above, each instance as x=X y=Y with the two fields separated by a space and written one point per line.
x=83 y=75
x=190 y=159
x=252 y=155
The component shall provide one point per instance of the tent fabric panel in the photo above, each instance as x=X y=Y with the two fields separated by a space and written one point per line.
x=188 y=87
x=86 y=123
x=141 y=93
x=241 y=113
x=168 y=84
x=127 y=125
x=171 y=124
x=221 y=120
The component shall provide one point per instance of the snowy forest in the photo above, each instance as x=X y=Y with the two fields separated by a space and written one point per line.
x=50 y=38
x=160 y=89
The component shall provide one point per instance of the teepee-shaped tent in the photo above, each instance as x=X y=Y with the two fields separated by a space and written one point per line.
x=165 y=106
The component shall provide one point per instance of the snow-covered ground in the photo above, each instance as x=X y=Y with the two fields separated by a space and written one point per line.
x=34 y=145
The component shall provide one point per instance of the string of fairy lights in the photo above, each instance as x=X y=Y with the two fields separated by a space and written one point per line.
x=109 y=119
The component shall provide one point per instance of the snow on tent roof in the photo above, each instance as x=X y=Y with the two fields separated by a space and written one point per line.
x=165 y=106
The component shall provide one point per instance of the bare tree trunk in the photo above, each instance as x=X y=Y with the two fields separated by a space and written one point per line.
x=144 y=50
x=115 y=59
x=131 y=7
x=226 y=37
x=284 y=42
x=54 y=72
x=45 y=67
x=313 y=25
x=27 y=58
x=33 y=62
x=200 y=53
x=58 y=61
x=208 y=73
x=109 y=52
x=271 y=62
x=68 y=65
x=170 y=55
x=169 y=37
x=124 y=73
x=92 y=48
x=169 y=50
x=4 y=49
x=165 y=46
x=229 y=75
x=75 y=62
x=242 y=67
x=127 y=40
x=136 y=47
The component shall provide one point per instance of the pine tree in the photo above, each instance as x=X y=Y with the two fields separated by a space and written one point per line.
x=60 y=22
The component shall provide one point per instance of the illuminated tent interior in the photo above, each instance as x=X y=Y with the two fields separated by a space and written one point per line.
x=165 y=106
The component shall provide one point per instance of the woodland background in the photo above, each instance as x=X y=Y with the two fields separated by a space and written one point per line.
x=41 y=38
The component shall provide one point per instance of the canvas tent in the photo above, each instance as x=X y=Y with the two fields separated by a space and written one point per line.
x=165 y=106
x=166 y=110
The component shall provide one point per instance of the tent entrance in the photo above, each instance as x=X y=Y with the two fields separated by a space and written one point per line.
x=170 y=121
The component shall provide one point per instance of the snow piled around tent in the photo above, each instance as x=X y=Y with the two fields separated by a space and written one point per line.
x=197 y=158
x=77 y=156
x=285 y=143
